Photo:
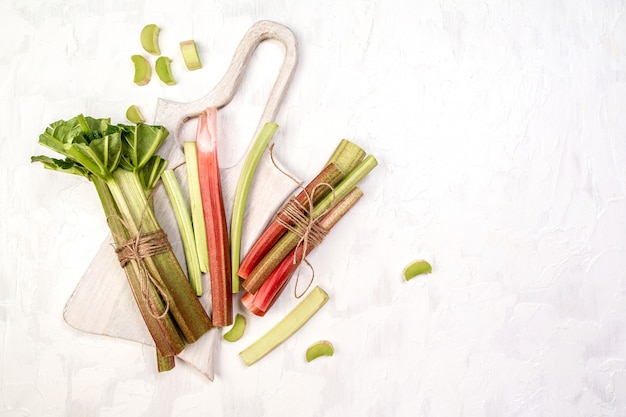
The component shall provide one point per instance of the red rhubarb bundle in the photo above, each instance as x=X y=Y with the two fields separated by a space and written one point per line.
x=301 y=225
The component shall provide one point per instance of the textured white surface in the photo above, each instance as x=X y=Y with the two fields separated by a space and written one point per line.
x=501 y=137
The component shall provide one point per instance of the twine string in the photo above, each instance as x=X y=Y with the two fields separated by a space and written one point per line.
x=300 y=220
x=135 y=250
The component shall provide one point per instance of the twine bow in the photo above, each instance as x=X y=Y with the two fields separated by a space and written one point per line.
x=299 y=218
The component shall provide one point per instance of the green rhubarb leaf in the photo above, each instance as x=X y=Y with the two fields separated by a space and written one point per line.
x=63 y=165
x=49 y=141
x=86 y=141
x=140 y=142
x=86 y=156
x=79 y=129
x=108 y=149
x=101 y=157
x=150 y=174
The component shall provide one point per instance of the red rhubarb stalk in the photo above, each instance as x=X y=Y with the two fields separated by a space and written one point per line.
x=289 y=241
x=344 y=159
x=215 y=218
x=268 y=293
x=331 y=175
x=247 y=301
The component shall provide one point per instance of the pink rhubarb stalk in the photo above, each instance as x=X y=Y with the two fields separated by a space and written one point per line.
x=215 y=219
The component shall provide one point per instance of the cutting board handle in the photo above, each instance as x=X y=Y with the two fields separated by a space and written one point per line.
x=259 y=32
x=225 y=90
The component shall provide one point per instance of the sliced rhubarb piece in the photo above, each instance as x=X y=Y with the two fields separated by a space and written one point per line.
x=285 y=328
x=416 y=268
x=190 y=55
x=319 y=348
x=236 y=331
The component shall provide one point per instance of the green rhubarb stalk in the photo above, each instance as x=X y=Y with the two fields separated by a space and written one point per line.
x=347 y=155
x=165 y=363
x=284 y=329
x=151 y=173
x=183 y=219
x=289 y=241
x=182 y=301
x=241 y=197
x=164 y=332
x=195 y=202
x=346 y=185
x=122 y=159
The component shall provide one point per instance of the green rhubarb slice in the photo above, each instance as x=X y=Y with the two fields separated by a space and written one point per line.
x=416 y=268
x=134 y=115
x=190 y=55
x=143 y=70
x=150 y=39
x=320 y=348
x=236 y=331
x=285 y=328
x=164 y=70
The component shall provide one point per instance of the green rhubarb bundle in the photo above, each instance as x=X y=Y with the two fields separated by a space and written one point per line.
x=121 y=163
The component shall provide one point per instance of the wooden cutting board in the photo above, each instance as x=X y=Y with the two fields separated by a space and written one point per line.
x=102 y=302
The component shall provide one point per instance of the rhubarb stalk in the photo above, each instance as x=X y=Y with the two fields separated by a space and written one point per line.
x=289 y=241
x=120 y=160
x=195 y=203
x=344 y=159
x=215 y=218
x=271 y=289
x=183 y=219
x=241 y=196
x=163 y=330
x=284 y=329
x=331 y=174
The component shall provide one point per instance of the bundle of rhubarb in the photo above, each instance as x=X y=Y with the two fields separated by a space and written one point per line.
x=301 y=225
x=121 y=163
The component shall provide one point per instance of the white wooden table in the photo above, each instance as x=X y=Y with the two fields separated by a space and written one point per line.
x=500 y=132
